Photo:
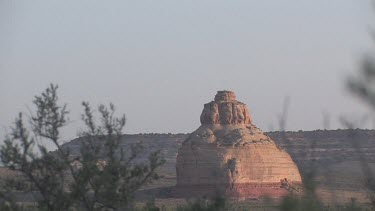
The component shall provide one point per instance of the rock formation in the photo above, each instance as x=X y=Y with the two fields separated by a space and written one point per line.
x=225 y=110
x=229 y=155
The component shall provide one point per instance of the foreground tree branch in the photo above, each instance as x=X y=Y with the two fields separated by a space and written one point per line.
x=107 y=177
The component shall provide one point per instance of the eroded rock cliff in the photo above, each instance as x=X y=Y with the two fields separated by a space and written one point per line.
x=225 y=110
x=230 y=155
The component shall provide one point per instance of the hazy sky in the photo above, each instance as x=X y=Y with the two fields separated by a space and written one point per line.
x=160 y=61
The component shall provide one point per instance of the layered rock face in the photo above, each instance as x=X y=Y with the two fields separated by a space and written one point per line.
x=225 y=110
x=229 y=155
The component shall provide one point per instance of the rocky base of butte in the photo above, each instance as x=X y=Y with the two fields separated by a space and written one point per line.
x=229 y=155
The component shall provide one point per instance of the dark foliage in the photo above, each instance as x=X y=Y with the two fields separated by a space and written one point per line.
x=218 y=204
x=106 y=178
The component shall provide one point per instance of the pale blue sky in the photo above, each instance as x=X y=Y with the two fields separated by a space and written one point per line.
x=160 y=61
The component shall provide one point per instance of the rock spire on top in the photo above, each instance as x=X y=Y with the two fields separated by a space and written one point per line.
x=225 y=110
x=225 y=96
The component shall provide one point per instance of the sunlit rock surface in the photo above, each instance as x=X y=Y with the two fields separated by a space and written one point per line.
x=229 y=155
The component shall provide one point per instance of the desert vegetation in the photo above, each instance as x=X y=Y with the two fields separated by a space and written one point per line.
x=102 y=177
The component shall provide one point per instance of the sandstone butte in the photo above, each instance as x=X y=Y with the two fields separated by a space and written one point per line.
x=229 y=155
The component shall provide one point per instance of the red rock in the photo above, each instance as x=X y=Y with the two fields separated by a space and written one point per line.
x=230 y=155
x=225 y=110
